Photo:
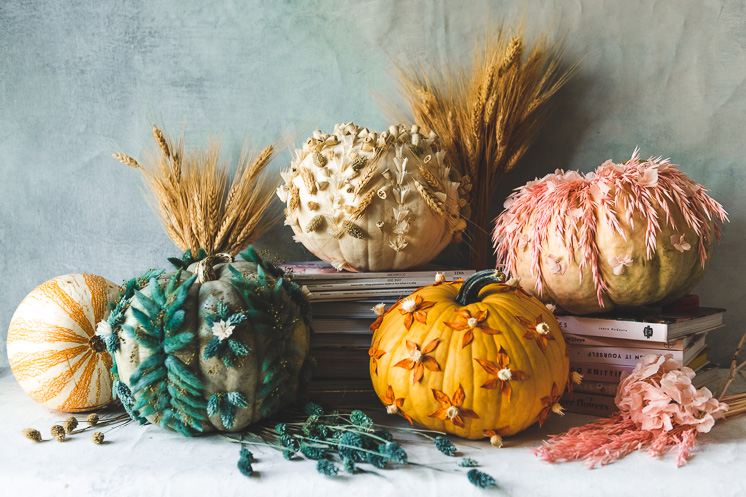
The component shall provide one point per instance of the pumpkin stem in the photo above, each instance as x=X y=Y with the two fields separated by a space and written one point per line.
x=205 y=270
x=469 y=292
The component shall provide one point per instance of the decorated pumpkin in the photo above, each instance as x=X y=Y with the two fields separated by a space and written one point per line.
x=631 y=234
x=475 y=358
x=53 y=350
x=367 y=201
x=216 y=344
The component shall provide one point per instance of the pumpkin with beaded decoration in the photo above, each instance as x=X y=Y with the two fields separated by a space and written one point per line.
x=475 y=358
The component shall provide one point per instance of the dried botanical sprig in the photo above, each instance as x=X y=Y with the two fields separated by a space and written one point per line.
x=97 y=438
x=200 y=205
x=486 y=116
x=32 y=434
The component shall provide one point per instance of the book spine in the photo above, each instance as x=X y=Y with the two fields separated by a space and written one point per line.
x=306 y=275
x=360 y=294
x=623 y=356
x=369 y=283
x=620 y=342
x=606 y=388
x=584 y=403
x=613 y=328
x=600 y=372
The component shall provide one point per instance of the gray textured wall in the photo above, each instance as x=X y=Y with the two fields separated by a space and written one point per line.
x=81 y=79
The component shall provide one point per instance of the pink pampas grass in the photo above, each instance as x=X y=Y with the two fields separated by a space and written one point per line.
x=659 y=408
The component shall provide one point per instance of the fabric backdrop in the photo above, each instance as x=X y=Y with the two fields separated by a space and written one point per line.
x=82 y=79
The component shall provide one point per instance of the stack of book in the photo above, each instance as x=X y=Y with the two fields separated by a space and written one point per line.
x=603 y=347
x=342 y=306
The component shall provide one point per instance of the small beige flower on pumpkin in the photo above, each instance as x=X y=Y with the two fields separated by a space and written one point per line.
x=103 y=329
x=418 y=360
x=538 y=330
x=679 y=243
x=648 y=177
x=413 y=308
x=394 y=404
x=452 y=409
x=619 y=262
x=500 y=373
x=550 y=404
x=375 y=353
x=496 y=436
x=379 y=309
x=440 y=278
x=556 y=265
x=470 y=323
x=551 y=307
x=222 y=329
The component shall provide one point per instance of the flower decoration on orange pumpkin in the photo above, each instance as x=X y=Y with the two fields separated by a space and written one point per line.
x=394 y=404
x=513 y=286
x=496 y=436
x=500 y=373
x=451 y=408
x=550 y=404
x=469 y=323
x=418 y=359
x=380 y=311
x=375 y=353
x=574 y=378
x=413 y=308
x=538 y=330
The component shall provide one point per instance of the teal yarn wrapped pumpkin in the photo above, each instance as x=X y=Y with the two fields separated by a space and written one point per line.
x=215 y=345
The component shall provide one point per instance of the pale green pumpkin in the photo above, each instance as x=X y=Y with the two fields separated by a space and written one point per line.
x=215 y=346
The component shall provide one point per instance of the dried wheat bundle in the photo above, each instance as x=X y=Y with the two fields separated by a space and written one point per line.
x=486 y=116
x=199 y=203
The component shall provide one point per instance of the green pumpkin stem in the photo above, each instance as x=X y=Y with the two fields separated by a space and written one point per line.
x=469 y=292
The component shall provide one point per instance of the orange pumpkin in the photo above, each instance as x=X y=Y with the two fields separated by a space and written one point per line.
x=475 y=358
x=53 y=350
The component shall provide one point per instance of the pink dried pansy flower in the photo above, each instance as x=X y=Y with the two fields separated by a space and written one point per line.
x=679 y=243
x=619 y=262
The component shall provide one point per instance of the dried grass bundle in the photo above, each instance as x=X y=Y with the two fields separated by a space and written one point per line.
x=199 y=204
x=486 y=116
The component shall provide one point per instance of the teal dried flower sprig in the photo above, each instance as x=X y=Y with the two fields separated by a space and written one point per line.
x=348 y=441
x=245 y=458
x=480 y=479
x=225 y=404
x=223 y=324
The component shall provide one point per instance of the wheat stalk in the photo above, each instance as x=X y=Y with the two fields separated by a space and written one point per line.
x=431 y=200
x=199 y=203
x=363 y=205
x=486 y=116
x=308 y=180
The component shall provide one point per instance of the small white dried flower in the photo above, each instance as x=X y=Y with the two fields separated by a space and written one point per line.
x=452 y=412
x=505 y=374
x=542 y=328
x=576 y=377
x=514 y=282
x=379 y=309
x=392 y=409
x=496 y=441
x=558 y=409
x=103 y=329
x=222 y=329
x=619 y=262
x=551 y=307
x=409 y=304
x=440 y=277
x=472 y=322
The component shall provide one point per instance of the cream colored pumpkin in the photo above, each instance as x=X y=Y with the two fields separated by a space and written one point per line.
x=627 y=235
x=365 y=201
x=53 y=350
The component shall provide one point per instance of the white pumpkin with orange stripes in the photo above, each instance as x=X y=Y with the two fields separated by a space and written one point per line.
x=53 y=348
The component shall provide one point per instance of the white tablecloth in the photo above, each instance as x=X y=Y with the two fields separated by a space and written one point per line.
x=148 y=461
